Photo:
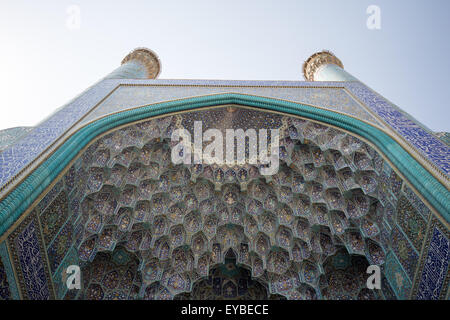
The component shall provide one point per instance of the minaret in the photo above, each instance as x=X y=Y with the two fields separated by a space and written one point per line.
x=325 y=66
x=141 y=63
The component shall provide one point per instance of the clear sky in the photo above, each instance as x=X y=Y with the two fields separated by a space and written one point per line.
x=47 y=57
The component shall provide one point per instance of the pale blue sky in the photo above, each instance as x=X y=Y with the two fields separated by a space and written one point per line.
x=44 y=64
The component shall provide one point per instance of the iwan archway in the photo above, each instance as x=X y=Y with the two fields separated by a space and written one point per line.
x=348 y=194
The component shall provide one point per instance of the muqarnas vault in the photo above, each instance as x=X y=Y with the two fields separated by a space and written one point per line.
x=360 y=183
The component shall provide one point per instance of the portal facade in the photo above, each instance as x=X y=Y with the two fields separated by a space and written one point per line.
x=359 y=183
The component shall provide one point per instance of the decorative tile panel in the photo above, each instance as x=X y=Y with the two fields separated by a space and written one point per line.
x=411 y=223
x=60 y=246
x=404 y=252
x=30 y=261
x=416 y=202
x=397 y=277
x=435 y=275
x=53 y=218
x=429 y=145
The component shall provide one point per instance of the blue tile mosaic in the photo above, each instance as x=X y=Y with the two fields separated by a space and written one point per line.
x=50 y=196
x=429 y=145
x=435 y=274
x=30 y=261
x=12 y=135
x=15 y=157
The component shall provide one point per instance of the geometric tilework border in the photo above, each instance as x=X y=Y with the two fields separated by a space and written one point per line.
x=30 y=261
x=432 y=280
x=432 y=148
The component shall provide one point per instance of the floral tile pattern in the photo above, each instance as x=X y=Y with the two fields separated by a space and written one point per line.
x=411 y=222
x=404 y=252
x=435 y=276
x=29 y=260
x=54 y=217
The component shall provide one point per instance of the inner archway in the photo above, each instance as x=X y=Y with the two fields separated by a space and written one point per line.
x=332 y=191
x=228 y=281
